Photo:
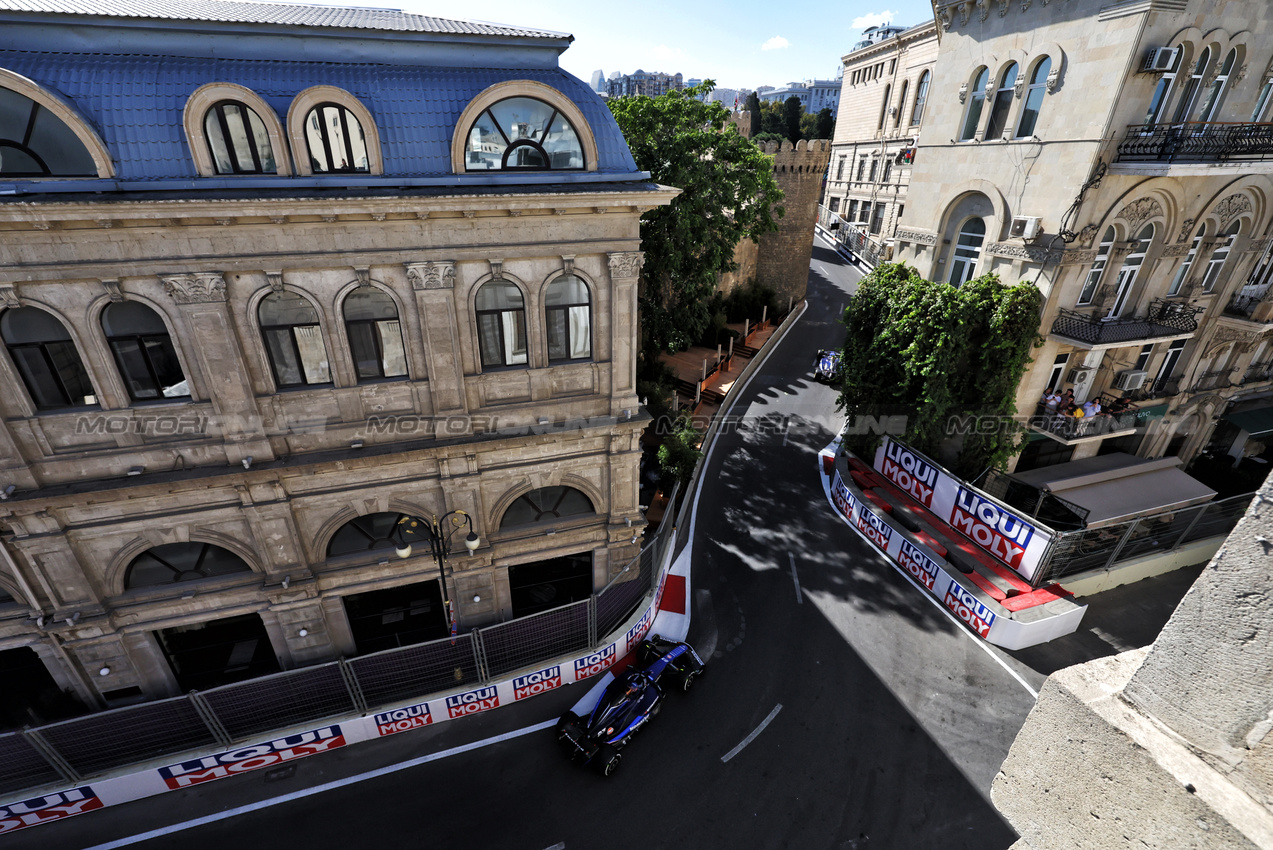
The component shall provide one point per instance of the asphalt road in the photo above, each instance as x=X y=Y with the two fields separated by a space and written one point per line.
x=893 y=719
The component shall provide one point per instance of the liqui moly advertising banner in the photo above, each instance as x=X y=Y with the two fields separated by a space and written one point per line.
x=966 y=607
x=1011 y=539
x=242 y=760
x=533 y=684
x=841 y=496
x=403 y=719
x=48 y=808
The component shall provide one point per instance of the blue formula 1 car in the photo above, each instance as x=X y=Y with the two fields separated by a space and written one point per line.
x=826 y=367
x=628 y=703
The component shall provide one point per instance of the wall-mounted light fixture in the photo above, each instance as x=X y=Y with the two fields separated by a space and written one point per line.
x=8 y=491
x=137 y=470
x=356 y=444
x=303 y=632
x=105 y=671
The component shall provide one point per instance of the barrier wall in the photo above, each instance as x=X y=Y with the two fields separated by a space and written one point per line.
x=928 y=569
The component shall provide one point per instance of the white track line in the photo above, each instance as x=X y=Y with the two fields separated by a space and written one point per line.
x=794 y=580
x=738 y=749
x=318 y=789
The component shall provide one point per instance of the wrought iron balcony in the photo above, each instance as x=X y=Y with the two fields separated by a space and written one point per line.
x=1069 y=429
x=1257 y=373
x=1163 y=319
x=1196 y=141
x=1161 y=388
x=1212 y=381
x=1243 y=304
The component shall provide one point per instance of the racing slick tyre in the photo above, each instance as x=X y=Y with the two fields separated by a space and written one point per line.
x=687 y=681
x=608 y=759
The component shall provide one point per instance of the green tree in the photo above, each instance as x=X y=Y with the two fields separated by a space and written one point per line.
x=728 y=192
x=791 y=112
x=771 y=120
x=937 y=354
x=808 y=126
x=826 y=124
x=753 y=110
x=679 y=453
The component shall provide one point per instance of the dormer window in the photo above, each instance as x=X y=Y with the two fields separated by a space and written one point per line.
x=239 y=140
x=336 y=141
x=522 y=133
x=36 y=143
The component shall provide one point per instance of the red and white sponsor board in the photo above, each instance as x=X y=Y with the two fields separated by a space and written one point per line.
x=48 y=808
x=271 y=753
x=1012 y=539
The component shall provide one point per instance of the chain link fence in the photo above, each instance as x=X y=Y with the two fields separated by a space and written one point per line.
x=1101 y=548
x=83 y=747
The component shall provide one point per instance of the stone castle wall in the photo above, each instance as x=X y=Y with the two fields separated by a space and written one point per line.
x=783 y=257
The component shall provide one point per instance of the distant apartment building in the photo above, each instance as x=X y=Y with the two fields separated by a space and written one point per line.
x=884 y=91
x=815 y=95
x=729 y=97
x=598 y=81
x=649 y=83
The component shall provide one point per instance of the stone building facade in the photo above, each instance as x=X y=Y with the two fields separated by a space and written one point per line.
x=1117 y=155
x=883 y=104
x=256 y=315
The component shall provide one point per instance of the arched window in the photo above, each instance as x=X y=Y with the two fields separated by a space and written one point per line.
x=1097 y=271
x=1002 y=102
x=501 y=324
x=921 y=97
x=1217 y=90
x=1262 y=102
x=36 y=143
x=1218 y=257
x=1131 y=268
x=967 y=251
x=239 y=140
x=375 y=334
x=143 y=352
x=1162 y=91
x=524 y=133
x=337 y=144
x=901 y=104
x=546 y=505
x=1182 y=273
x=888 y=90
x=1190 y=95
x=298 y=356
x=1034 y=98
x=976 y=101
x=45 y=357
x=370 y=533
x=177 y=562
x=568 y=315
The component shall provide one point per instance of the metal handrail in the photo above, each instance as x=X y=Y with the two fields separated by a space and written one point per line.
x=1163 y=318
x=1196 y=141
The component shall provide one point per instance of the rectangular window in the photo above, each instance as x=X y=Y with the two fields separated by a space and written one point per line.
x=861 y=168
x=875 y=163
x=877 y=218
x=888 y=170
x=839 y=169
x=835 y=205
x=892 y=65
x=853 y=211
x=866 y=211
x=1058 y=371
x=901 y=208
x=1142 y=360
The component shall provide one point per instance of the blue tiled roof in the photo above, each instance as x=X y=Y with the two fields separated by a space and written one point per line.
x=229 y=11
x=135 y=103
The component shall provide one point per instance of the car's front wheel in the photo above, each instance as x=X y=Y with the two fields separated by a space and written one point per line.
x=687 y=681
x=608 y=759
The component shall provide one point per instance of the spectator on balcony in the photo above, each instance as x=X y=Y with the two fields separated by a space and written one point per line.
x=1091 y=408
x=1051 y=398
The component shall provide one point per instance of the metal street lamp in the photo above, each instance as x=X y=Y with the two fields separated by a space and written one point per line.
x=438 y=531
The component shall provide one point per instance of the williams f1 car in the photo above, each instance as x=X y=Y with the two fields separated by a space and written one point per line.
x=628 y=703
x=826 y=368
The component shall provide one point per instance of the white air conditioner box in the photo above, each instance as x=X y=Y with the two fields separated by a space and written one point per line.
x=1132 y=379
x=1024 y=227
x=1081 y=375
x=1160 y=59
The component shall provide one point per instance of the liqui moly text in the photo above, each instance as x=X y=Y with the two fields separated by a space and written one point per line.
x=538 y=682
x=841 y=496
x=471 y=702
x=909 y=472
x=991 y=527
x=877 y=530
x=966 y=607
x=402 y=719
x=50 y=807
x=638 y=631
x=920 y=567
x=252 y=758
x=591 y=665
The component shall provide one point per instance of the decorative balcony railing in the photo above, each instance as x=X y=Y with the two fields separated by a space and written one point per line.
x=1243 y=303
x=1257 y=373
x=1068 y=427
x=1164 y=318
x=1212 y=381
x=1161 y=388
x=1196 y=141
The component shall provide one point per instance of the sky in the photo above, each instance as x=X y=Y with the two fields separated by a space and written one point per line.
x=740 y=44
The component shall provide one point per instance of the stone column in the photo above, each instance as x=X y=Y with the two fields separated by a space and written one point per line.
x=625 y=268
x=1169 y=746
x=202 y=301
x=434 y=285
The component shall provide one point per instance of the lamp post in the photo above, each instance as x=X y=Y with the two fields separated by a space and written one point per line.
x=438 y=531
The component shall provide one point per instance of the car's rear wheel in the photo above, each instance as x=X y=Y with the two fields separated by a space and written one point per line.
x=608 y=759
x=687 y=681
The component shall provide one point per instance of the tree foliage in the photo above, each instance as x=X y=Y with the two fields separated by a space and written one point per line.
x=792 y=110
x=753 y=109
x=825 y=128
x=938 y=355
x=679 y=453
x=728 y=192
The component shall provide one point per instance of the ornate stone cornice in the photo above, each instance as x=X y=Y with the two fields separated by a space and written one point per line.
x=1138 y=212
x=568 y=263
x=627 y=264
x=1075 y=256
x=200 y=288
x=1177 y=250
x=363 y=274
x=275 y=278
x=431 y=275
x=1231 y=207
x=112 y=290
x=916 y=236
x=9 y=296
x=1087 y=235
x=1186 y=227
x=1032 y=253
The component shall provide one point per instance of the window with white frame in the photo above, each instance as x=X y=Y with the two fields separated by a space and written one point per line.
x=963 y=267
x=1034 y=98
x=1218 y=257
x=568 y=319
x=1189 y=97
x=1162 y=91
x=1130 y=269
x=1002 y=104
x=976 y=102
x=921 y=97
x=1182 y=273
x=1218 y=89
x=1097 y=271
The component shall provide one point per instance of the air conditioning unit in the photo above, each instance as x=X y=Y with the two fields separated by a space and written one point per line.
x=1160 y=59
x=892 y=110
x=1081 y=375
x=1131 y=379
x=1024 y=227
